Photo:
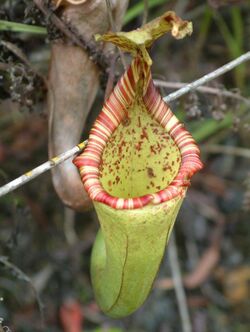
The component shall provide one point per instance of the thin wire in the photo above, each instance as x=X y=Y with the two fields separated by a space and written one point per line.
x=211 y=76
x=28 y=176
x=78 y=148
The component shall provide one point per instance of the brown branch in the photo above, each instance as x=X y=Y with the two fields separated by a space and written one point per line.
x=95 y=53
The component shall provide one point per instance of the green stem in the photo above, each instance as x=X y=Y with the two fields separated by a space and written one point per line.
x=210 y=127
x=20 y=27
x=138 y=9
x=234 y=41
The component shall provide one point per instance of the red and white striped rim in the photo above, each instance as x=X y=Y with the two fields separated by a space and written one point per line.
x=112 y=114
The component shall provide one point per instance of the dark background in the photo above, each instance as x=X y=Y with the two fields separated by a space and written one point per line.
x=46 y=246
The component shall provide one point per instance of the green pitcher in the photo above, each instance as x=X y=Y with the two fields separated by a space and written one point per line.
x=136 y=168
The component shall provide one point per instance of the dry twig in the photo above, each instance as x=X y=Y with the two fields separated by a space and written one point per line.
x=69 y=226
x=113 y=26
x=204 y=89
x=226 y=149
x=178 y=285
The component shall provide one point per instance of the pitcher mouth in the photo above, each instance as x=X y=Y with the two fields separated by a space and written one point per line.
x=112 y=115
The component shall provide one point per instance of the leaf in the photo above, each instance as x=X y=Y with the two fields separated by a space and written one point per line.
x=137 y=41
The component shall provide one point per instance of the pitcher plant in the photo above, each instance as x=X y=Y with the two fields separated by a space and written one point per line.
x=136 y=168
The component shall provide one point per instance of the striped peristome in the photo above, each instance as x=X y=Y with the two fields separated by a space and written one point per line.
x=112 y=114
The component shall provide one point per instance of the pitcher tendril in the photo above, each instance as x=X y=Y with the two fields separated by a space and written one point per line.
x=136 y=168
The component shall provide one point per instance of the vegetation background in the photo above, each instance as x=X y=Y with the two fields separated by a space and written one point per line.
x=45 y=248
